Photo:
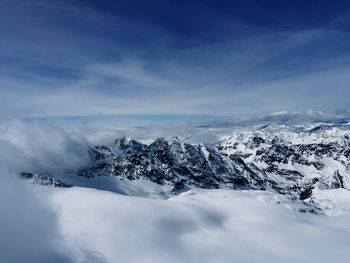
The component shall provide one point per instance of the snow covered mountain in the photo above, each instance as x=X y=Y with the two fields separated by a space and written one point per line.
x=290 y=159
x=287 y=159
x=273 y=193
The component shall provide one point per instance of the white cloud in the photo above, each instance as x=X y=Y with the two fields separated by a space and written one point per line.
x=132 y=71
x=43 y=147
x=28 y=226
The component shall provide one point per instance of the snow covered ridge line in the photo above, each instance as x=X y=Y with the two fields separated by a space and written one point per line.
x=284 y=161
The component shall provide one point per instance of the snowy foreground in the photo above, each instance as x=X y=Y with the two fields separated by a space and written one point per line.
x=204 y=226
x=134 y=202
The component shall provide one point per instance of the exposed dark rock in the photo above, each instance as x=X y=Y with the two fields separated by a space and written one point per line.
x=247 y=161
x=44 y=179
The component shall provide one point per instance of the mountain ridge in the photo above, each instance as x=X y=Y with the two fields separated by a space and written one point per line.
x=288 y=159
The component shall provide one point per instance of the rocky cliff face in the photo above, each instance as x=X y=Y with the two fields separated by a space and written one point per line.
x=283 y=161
x=173 y=161
x=290 y=160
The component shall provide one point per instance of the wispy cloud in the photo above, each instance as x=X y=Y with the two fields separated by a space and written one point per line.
x=27 y=213
x=132 y=71
x=100 y=62
x=41 y=4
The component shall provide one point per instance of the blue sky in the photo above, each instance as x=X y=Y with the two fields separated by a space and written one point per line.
x=220 y=58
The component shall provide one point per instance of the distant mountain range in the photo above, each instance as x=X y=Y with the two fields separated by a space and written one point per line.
x=287 y=158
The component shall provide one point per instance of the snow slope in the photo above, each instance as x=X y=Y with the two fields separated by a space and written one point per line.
x=210 y=226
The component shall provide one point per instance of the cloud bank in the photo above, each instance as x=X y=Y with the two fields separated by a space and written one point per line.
x=28 y=224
